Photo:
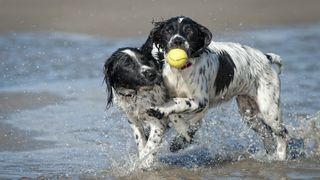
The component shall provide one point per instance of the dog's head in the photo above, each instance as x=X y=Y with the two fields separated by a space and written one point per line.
x=181 y=32
x=128 y=70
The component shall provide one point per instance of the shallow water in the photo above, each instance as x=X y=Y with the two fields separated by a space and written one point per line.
x=73 y=136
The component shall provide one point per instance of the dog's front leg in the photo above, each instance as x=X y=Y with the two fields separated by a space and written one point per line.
x=181 y=126
x=139 y=136
x=179 y=105
x=153 y=143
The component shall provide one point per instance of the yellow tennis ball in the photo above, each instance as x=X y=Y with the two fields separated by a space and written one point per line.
x=177 y=58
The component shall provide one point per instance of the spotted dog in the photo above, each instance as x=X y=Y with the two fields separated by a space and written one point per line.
x=217 y=72
x=134 y=83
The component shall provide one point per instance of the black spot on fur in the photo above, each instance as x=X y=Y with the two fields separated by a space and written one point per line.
x=208 y=65
x=191 y=132
x=178 y=143
x=268 y=56
x=202 y=105
x=155 y=113
x=225 y=72
x=283 y=133
x=188 y=103
x=202 y=71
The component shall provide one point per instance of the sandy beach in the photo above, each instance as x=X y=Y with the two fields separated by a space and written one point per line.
x=133 y=18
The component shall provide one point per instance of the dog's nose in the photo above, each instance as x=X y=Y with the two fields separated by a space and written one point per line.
x=178 y=41
x=150 y=75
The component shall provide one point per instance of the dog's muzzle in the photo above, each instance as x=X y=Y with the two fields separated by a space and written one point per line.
x=179 y=42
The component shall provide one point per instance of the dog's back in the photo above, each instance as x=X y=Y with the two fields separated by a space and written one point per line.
x=239 y=68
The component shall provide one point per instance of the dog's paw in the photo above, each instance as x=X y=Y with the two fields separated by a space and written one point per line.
x=155 y=113
x=178 y=143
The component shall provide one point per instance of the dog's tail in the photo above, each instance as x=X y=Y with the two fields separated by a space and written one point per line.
x=275 y=59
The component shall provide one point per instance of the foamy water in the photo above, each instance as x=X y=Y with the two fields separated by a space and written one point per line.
x=88 y=141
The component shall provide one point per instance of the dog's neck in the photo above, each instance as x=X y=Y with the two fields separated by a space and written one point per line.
x=142 y=100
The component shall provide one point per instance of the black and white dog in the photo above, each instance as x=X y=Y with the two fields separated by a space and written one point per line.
x=217 y=72
x=134 y=83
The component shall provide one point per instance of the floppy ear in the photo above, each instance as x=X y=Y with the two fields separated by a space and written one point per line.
x=207 y=37
x=147 y=47
x=108 y=80
x=156 y=39
x=155 y=34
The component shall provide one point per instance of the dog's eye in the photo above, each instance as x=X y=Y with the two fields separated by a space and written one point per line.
x=188 y=29
x=126 y=63
x=169 y=29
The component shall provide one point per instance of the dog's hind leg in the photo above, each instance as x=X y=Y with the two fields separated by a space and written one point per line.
x=249 y=109
x=268 y=100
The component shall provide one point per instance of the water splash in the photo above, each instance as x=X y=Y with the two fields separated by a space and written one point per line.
x=90 y=141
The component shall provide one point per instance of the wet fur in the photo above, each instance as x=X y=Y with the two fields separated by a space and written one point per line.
x=134 y=84
x=219 y=72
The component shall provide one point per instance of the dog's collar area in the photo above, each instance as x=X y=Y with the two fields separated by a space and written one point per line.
x=188 y=64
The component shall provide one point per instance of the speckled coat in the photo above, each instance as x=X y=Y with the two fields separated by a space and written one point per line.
x=223 y=71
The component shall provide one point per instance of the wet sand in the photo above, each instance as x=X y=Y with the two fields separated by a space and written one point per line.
x=14 y=102
x=133 y=18
x=12 y=138
x=246 y=169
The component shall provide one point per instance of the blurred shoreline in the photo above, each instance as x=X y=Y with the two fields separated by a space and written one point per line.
x=133 y=18
x=15 y=139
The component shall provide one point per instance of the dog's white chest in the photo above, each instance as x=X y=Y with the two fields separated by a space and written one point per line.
x=175 y=82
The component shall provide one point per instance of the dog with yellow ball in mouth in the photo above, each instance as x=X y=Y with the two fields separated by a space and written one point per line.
x=214 y=72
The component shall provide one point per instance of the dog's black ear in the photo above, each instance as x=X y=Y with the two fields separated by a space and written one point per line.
x=147 y=47
x=156 y=35
x=154 y=38
x=107 y=78
x=206 y=36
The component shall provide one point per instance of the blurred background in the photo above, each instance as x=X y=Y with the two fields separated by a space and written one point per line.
x=133 y=18
x=53 y=120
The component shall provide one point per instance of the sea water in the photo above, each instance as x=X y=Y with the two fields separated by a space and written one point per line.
x=88 y=141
